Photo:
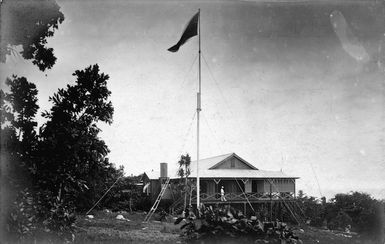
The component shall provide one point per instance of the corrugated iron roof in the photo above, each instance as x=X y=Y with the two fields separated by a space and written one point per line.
x=206 y=171
x=239 y=173
x=206 y=164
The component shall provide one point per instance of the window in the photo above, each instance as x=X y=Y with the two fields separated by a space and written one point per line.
x=232 y=163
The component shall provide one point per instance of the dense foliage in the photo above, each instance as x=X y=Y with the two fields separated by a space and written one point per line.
x=353 y=215
x=223 y=222
x=28 y=23
x=18 y=151
x=354 y=211
x=63 y=168
x=74 y=159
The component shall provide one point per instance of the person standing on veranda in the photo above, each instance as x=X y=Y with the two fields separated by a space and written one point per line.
x=223 y=199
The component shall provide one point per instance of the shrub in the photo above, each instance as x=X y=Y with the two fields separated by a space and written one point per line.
x=340 y=221
x=37 y=216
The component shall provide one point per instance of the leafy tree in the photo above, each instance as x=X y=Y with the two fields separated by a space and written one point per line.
x=184 y=172
x=364 y=211
x=54 y=171
x=105 y=178
x=359 y=210
x=28 y=23
x=23 y=99
x=19 y=139
x=340 y=221
x=18 y=150
x=74 y=156
x=32 y=211
x=311 y=208
x=5 y=112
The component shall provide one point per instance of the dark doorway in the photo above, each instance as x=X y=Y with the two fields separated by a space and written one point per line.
x=254 y=185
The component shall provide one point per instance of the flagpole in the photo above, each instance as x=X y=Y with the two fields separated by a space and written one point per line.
x=198 y=110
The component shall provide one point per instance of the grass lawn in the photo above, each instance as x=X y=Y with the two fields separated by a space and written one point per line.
x=105 y=228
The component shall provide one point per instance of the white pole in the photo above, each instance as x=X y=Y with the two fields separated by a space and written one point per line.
x=198 y=110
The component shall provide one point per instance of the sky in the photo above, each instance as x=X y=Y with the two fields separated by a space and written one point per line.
x=297 y=87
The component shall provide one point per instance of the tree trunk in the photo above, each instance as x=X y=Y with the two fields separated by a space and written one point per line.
x=185 y=189
x=130 y=204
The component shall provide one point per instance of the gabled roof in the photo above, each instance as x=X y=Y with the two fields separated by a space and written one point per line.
x=213 y=162
x=207 y=169
x=232 y=155
x=207 y=163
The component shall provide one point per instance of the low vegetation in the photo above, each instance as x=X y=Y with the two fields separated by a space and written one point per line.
x=227 y=222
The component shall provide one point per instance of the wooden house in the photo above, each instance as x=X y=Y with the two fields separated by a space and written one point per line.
x=242 y=182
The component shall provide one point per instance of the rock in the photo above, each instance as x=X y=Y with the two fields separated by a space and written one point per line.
x=90 y=216
x=107 y=211
x=253 y=217
x=119 y=216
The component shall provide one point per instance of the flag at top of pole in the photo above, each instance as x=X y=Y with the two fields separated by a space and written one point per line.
x=190 y=31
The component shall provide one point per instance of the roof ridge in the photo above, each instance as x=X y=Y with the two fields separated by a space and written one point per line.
x=215 y=156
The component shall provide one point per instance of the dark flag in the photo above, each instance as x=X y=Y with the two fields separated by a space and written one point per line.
x=190 y=31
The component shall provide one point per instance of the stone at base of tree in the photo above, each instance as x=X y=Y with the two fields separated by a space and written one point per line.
x=90 y=216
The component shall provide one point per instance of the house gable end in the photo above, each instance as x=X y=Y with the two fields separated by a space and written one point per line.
x=233 y=161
